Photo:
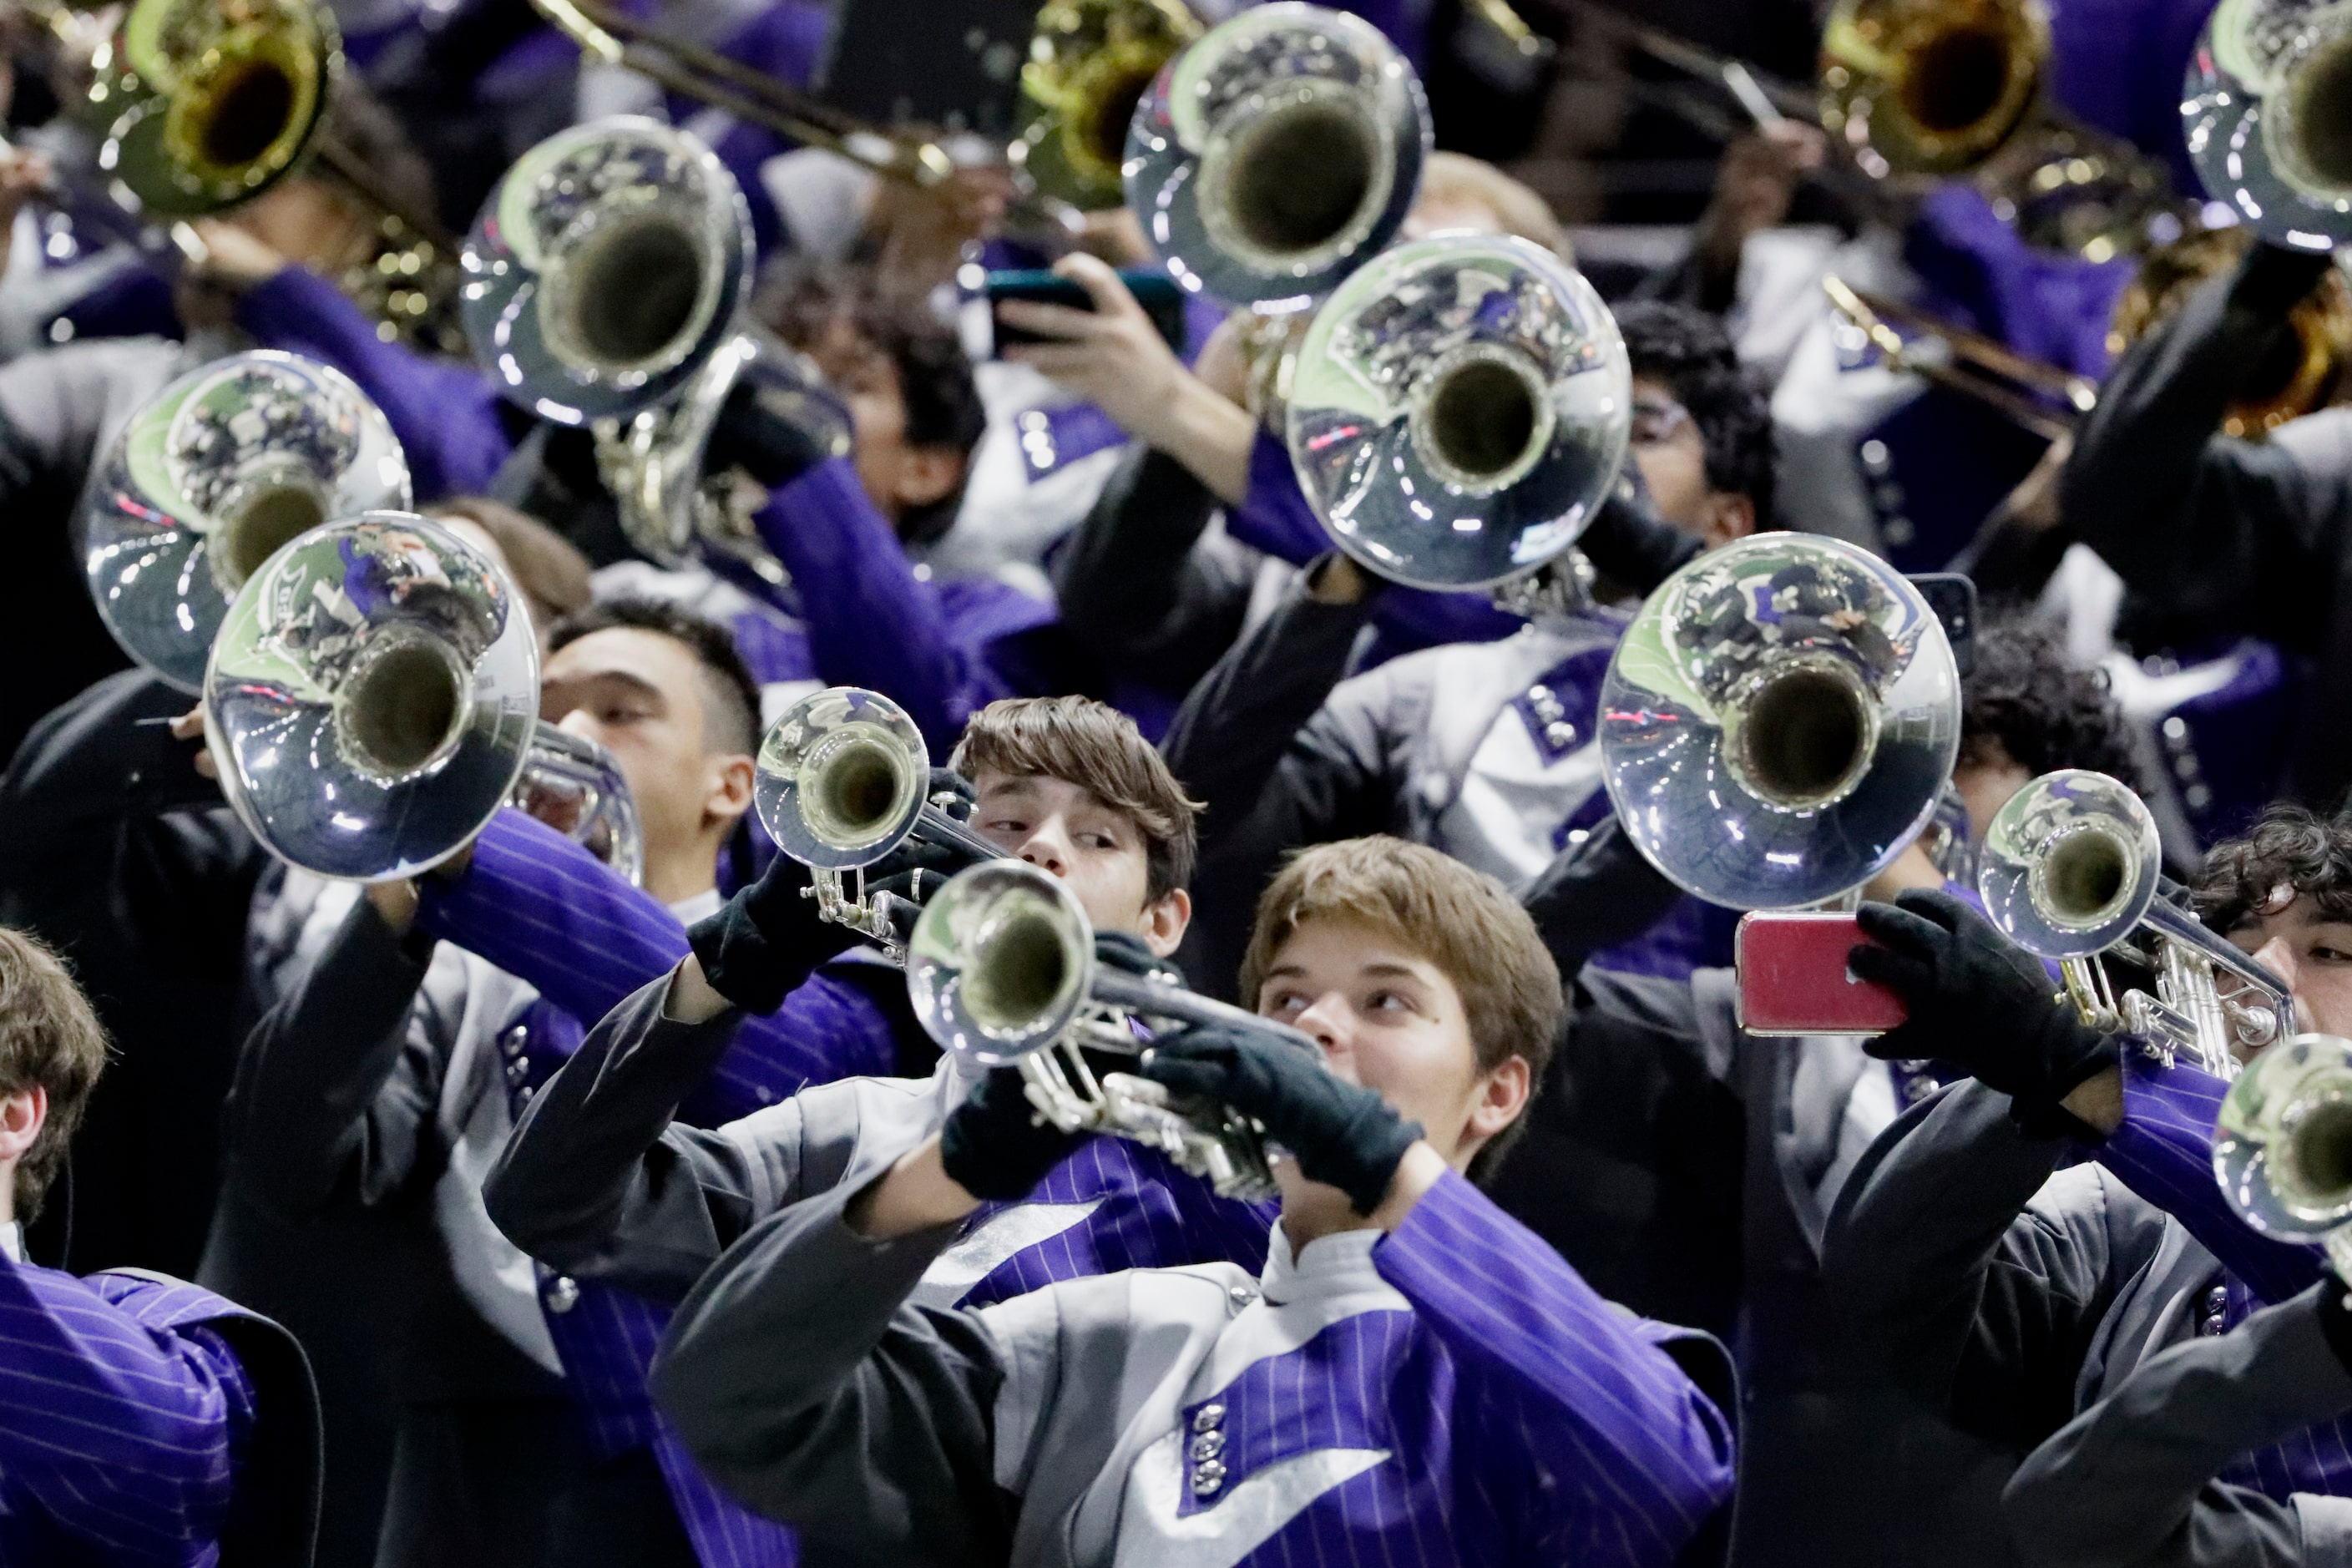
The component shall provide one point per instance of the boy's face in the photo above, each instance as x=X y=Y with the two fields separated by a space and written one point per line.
x=1062 y=828
x=1389 y=1020
x=2311 y=953
x=1670 y=452
x=896 y=474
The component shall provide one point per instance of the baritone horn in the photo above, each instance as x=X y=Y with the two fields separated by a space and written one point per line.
x=1001 y=971
x=208 y=479
x=1779 y=721
x=1458 y=411
x=2071 y=869
x=842 y=779
x=1270 y=158
x=372 y=700
x=2265 y=110
x=2283 y=1145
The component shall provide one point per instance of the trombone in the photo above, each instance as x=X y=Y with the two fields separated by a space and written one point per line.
x=2071 y=870
x=2283 y=1145
x=1979 y=367
x=841 y=782
x=1001 y=971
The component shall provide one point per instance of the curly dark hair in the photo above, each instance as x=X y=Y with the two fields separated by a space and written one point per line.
x=2046 y=712
x=1689 y=350
x=734 y=696
x=2290 y=847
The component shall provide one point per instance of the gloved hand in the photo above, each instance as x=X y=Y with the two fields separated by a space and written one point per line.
x=1126 y=952
x=998 y=1145
x=1978 y=1002
x=914 y=872
x=774 y=432
x=1629 y=543
x=767 y=939
x=1341 y=1133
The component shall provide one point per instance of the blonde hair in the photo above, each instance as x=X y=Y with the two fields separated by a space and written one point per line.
x=1515 y=206
x=1461 y=920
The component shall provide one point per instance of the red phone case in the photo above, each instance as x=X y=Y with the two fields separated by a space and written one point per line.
x=1794 y=978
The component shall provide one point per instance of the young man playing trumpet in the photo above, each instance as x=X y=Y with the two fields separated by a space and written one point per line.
x=1413 y=1378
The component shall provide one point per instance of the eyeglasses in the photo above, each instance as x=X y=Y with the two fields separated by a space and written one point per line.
x=1656 y=421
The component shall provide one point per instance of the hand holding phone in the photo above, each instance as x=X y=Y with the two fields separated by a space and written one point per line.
x=1150 y=287
x=1794 y=978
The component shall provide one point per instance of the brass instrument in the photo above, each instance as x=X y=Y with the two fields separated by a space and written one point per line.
x=1272 y=156
x=2264 y=108
x=207 y=479
x=1976 y=367
x=2283 y=1145
x=1001 y=970
x=1460 y=409
x=2299 y=378
x=372 y=700
x=841 y=781
x=2070 y=870
x=1779 y=722
x=1090 y=63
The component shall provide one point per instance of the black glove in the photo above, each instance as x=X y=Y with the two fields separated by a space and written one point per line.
x=2335 y=1317
x=2273 y=278
x=998 y=1145
x=1629 y=543
x=1342 y=1135
x=774 y=434
x=914 y=870
x=1126 y=952
x=758 y=949
x=1978 y=1002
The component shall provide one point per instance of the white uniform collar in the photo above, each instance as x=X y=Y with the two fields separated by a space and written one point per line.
x=1332 y=1264
x=703 y=905
x=12 y=1241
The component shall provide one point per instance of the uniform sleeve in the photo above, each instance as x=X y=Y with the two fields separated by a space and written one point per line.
x=801 y=1381
x=871 y=622
x=2130 y=1482
x=128 y=1436
x=445 y=415
x=2164 y=1152
x=1552 y=1373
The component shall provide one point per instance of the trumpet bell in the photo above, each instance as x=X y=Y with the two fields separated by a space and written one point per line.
x=1459 y=409
x=606 y=270
x=1269 y=159
x=372 y=697
x=221 y=101
x=2282 y=1144
x=2069 y=864
x=209 y=477
x=575 y=786
x=2267 y=112
x=841 y=778
x=1000 y=963
x=1779 y=721
x=1931 y=87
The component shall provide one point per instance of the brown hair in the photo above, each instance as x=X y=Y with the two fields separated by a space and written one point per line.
x=1095 y=746
x=49 y=1039
x=1461 y=920
x=2291 y=850
x=548 y=568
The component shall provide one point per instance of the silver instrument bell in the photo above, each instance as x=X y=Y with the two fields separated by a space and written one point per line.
x=1460 y=409
x=208 y=479
x=606 y=270
x=1779 y=721
x=1275 y=153
x=2267 y=113
x=2283 y=1145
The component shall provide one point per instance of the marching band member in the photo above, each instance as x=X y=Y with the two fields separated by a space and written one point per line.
x=142 y=1420
x=2013 y=1295
x=1412 y=1375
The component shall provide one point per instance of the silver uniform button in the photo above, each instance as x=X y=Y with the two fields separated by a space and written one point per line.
x=512 y=1043
x=1206 y=1445
x=1207 y=1477
x=1242 y=1294
x=1208 y=1417
x=563 y=1294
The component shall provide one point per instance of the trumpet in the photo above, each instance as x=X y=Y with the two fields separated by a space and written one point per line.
x=372 y=699
x=841 y=781
x=1272 y=157
x=1779 y=721
x=1459 y=410
x=207 y=479
x=1001 y=970
x=2069 y=871
x=2283 y=1145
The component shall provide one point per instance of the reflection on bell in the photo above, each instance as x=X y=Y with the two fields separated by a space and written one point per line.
x=606 y=270
x=1000 y=962
x=387 y=663
x=1459 y=409
x=208 y=479
x=2069 y=864
x=1273 y=155
x=1779 y=721
x=2267 y=112
x=2282 y=1144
